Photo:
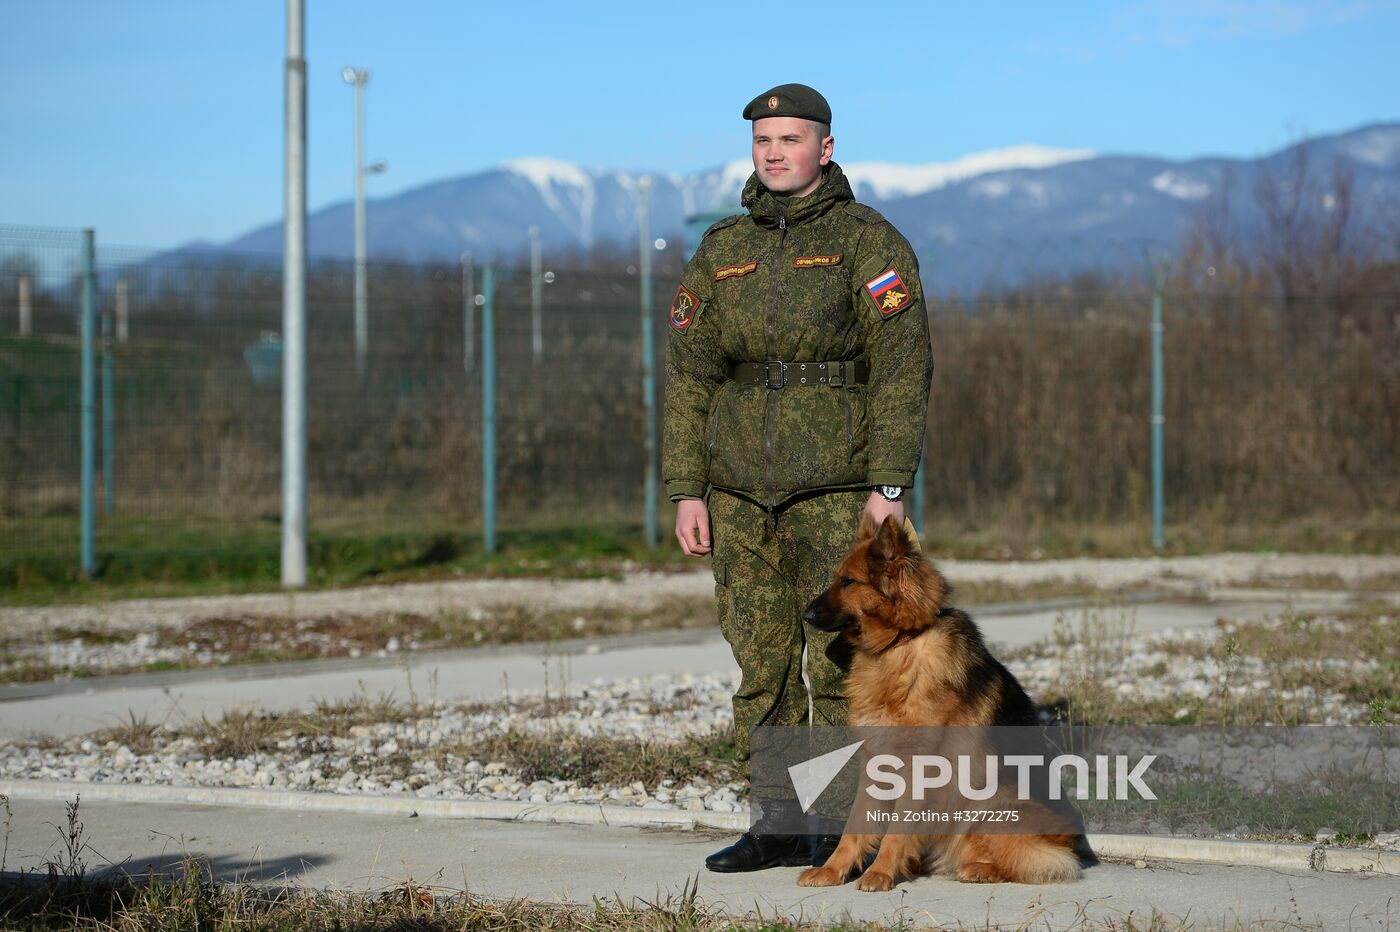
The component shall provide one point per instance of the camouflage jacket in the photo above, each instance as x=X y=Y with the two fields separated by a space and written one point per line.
x=817 y=279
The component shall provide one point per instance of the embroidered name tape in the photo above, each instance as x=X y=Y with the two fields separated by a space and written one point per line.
x=683 y=308
x=889 y=291
x=734 y=271
x=814 y=262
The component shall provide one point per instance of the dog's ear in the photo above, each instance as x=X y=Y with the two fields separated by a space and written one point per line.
x=868 y=527
x=887 y=551
x=912 y=533
x=893 y=541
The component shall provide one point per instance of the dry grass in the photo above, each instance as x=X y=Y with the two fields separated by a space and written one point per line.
x=241 y=732
x=592 y=760
x=137 y=733
x=268 y=637
x=1379 y=582
x=190 y=898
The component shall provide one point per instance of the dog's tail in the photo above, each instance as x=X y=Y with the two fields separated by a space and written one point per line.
x=998 y=858
x=1043 y=859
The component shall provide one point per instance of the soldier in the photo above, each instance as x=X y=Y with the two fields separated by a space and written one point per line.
x=798 y=370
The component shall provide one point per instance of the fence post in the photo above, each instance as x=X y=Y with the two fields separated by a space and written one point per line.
x=123 y=311
x=1158 y=419
x=108 y=408
x=87 y=427
x=26 y=308
x=468 y=313
x=648 y=355
x=488 y=408
x=536 y=296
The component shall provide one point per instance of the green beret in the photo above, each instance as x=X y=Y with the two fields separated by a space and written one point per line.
x=790 y=100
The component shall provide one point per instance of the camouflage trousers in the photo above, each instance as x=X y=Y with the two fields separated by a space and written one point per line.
x=768 y=567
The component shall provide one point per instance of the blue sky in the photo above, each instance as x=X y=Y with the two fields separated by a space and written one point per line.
x=161 y=122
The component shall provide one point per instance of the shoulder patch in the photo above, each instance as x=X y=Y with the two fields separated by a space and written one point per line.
x=889 y=292
x=721 y=224
x=684 y=306
x=862 y=212
x=735 y=271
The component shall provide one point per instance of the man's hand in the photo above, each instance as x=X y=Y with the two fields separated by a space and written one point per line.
x=693 y=527
x=877 y=506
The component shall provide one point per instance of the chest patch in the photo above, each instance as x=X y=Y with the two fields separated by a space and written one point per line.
x=683 y=308
x=817 y=262
x=734 y=271
x=889 y=291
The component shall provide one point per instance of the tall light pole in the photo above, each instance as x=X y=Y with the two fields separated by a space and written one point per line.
x=644 y=249
x=294 y=507
x=358 y=78
x=1159 y=419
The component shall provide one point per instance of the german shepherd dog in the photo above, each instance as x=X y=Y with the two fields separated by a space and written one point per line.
x=917 y=662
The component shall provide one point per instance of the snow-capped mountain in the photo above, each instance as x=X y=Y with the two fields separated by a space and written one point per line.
x=996 y=215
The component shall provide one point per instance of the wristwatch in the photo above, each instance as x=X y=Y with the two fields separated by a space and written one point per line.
x=890 y=492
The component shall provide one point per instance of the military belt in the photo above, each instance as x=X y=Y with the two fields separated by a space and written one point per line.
x=775 y=373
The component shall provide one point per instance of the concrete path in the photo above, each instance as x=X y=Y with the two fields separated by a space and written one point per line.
x=74 y=707
x=567 y=863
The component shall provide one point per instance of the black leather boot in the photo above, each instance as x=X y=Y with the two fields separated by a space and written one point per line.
x=760 y=852
x=822 y=847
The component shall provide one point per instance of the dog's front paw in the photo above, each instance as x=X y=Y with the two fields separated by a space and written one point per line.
x=819 y=877
x=875 y=882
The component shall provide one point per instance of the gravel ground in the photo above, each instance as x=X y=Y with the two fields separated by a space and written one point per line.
x=411 y=753
x=1187 y=666
x=396 y=757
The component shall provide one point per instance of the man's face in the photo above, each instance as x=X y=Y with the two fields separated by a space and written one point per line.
x=788 y=154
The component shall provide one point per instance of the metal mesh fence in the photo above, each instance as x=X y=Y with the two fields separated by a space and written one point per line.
x=1274 y=412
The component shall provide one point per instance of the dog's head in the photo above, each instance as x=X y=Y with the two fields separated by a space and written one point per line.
x=884 y=588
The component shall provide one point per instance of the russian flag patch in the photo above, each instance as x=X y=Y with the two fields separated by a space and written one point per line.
x=889 y=292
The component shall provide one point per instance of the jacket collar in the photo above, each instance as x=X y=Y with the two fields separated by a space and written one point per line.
x=767 y=211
